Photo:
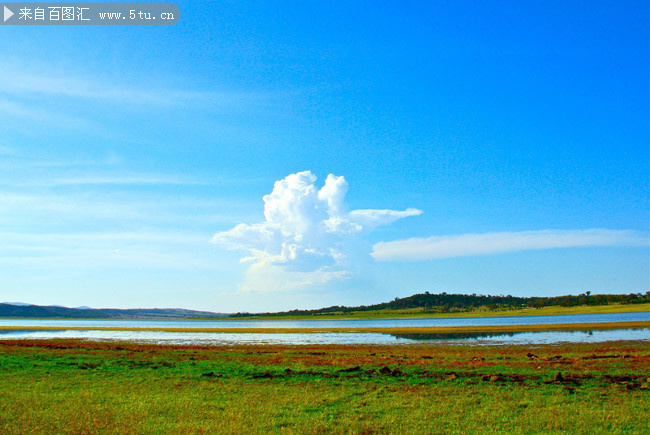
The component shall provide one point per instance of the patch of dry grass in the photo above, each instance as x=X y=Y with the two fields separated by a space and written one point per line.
x=80 y=387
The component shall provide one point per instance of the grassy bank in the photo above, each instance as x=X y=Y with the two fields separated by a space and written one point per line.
x=80 y=387
x=421 y=313
x=410 y=313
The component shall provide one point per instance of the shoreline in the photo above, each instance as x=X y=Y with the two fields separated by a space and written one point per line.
x=406 y=314
x=388 y=315
x=384 y=330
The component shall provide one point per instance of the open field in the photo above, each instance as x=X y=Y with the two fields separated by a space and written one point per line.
x=82 y=386
x=421 y=313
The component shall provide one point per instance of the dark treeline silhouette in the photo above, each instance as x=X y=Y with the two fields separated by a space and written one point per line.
x=12 y=310
x=444 y=303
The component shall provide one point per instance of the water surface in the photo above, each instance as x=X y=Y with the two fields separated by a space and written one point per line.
x=327 y=323
x=212 y=338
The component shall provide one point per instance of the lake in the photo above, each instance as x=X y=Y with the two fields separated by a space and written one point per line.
x=221 y=338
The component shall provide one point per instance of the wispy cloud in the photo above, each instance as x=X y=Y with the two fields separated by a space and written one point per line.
x=40 y=210
x=19 y=80
x=7 y=151
x=129 y=249
x=36 y=113
x=125 y=180
x=464 y=245
x=143 y=179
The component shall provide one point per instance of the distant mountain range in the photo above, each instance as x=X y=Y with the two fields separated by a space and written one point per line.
x=19 y=309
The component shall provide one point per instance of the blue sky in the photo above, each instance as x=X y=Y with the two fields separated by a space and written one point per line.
x=483 y=149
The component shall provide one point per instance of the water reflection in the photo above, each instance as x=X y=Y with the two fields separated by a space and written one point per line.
x=211 y=338
x=537 y=337
x=456 y=336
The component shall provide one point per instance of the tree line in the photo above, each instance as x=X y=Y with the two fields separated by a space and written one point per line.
x=447 y=302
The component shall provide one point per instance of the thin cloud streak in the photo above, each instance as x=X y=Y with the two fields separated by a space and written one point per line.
x=61 y=211
x=465 y=245
x=123 y=249
x=129 y=180
x=42 y=117
x=20 y=81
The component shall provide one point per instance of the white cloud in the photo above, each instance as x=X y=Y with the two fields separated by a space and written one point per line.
x=306 y=234
x=375 y=218
x=270 y=277
x=494 y=243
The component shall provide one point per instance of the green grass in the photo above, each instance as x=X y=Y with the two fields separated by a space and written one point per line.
x=421 y=313
x=82 y=387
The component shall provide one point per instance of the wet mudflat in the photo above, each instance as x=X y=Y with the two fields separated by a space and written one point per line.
x=532 y=330
x=348 y=338
x=81 y=386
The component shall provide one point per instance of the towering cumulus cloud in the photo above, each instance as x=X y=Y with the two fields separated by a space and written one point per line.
x=306 y=235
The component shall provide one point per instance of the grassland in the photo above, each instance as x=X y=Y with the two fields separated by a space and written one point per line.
x=422 y=313
x=89 y=387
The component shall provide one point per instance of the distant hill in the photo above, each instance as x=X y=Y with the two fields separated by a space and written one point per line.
x=446 y=303
x=25 y=310
x=425 y=302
